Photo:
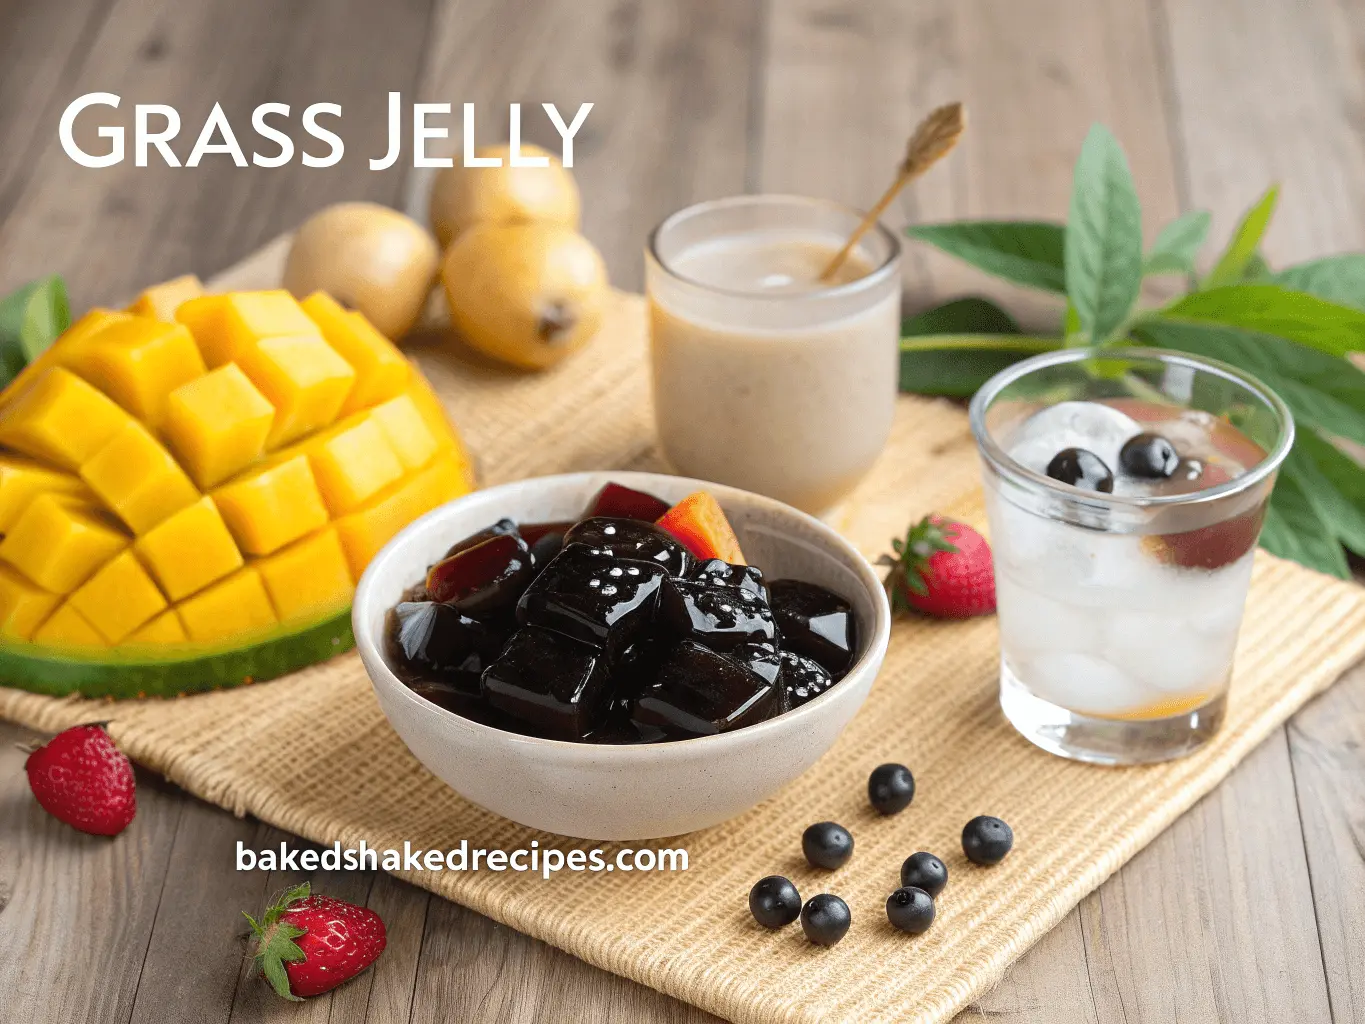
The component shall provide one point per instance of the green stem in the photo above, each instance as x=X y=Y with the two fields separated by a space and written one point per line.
x=970 y=342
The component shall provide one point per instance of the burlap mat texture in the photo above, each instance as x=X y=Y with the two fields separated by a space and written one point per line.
x=933 y=708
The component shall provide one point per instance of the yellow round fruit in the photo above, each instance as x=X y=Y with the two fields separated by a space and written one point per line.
x=527 y=294
x=463 y=196
x=368 y=257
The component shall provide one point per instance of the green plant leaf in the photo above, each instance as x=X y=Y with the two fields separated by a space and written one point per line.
x=1321 y=391
x=1339 y=279
x=1335 y=484
x=1103 y=250
x=1245 y=242
x=1025 y=252
x=1294 y=530
x=1175 y=249
x=31 y=319
x=971 y=315
x=955 y=366
x=1257 y=270
x=1271 y=309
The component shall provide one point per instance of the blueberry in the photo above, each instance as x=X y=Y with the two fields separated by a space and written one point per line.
x=825 y=919
x=1150 y=456
x=774 y=902
x=827 y=845
x=924 y=871
x=1080 y=468
x=910 y=909
x=890 y=788
x=986 y=840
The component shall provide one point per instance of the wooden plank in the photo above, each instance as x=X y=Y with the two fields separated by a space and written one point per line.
x=1293 y=116
x=670 y=84
x=76 y=910
x=110 y=231
x=475 y=969
x=1327 y=749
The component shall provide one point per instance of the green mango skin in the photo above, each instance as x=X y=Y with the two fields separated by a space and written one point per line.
x=29 y=667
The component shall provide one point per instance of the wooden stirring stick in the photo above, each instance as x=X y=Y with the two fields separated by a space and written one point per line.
x=934 y=139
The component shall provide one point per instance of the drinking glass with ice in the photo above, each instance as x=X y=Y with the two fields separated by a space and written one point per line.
x=1125 y=493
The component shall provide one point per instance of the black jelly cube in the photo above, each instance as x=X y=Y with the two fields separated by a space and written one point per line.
x=434 y=642
x=622 y=502
x=554 y=683
x=720 y=617
x=702 y=693
x=802 y=679
x=719 y=572
x=502 y=526
x=815 y=622
x=631 y=538
x=486 y=579
x=605 y=601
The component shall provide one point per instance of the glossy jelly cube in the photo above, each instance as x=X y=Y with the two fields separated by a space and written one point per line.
x=718 y=616
x=487 y=579
x=433 y=641
x=718 y=572
x=546 y=540
x=605 y=601
x=702 y=693
x=802 y=679
x=815 y=622
x=762 y=659
x=638 y=666
x=630 y=538
x=619 y=502
x=558 y=685
x=500 y=527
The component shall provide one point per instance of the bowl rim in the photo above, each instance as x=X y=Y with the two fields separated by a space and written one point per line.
x=870 y=660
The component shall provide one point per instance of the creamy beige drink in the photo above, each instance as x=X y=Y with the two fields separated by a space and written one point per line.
x=766 y=377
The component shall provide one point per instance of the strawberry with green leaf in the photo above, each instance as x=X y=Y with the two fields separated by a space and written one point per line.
x=942 y=568
x=307 y=945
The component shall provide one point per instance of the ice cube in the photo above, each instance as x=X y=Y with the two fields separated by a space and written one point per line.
x=1100 y=429
x=1083 y=683
x=1164 y=651
x=1031 y=622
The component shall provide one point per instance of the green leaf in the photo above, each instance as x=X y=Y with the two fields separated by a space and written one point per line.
x=1025 y=252
x=956 y=366
x=1271 y=309
x=1103 y=249
x=1257 y=270
x=1245 y=242
x=31 y=319
x=1321 y=391
x=1339 y=279
x=971 y=315
x=1294 y=530
x=1335 y=484
x=1178 y=244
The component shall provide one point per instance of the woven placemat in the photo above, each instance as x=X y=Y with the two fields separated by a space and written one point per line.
x=933 y=708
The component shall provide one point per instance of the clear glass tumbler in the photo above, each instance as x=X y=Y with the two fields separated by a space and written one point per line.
x=765 y=377
x=1119 y=611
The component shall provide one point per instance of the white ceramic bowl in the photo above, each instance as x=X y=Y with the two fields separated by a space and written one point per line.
x=600 y=791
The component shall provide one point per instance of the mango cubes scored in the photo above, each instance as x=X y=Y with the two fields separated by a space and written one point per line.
x=206 y=469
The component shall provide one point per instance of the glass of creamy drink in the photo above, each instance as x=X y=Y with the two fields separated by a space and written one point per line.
x=766 y=377
x=1125 y=494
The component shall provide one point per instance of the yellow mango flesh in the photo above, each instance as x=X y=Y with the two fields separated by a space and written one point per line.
x=205 y=467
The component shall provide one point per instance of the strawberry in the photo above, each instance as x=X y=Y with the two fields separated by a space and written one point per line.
x=942 y=568
x=81 y=778
x=307 y=945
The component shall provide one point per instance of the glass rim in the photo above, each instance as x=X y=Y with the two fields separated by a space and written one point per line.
x=869 y=280
x=1017 y=473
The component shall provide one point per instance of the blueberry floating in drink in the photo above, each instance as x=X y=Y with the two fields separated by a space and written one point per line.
x=815 y=622
x=1081 y=469
x=614 y=629
x=1149 y=456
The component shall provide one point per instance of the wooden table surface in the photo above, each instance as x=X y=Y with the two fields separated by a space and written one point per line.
x=1250 y=908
